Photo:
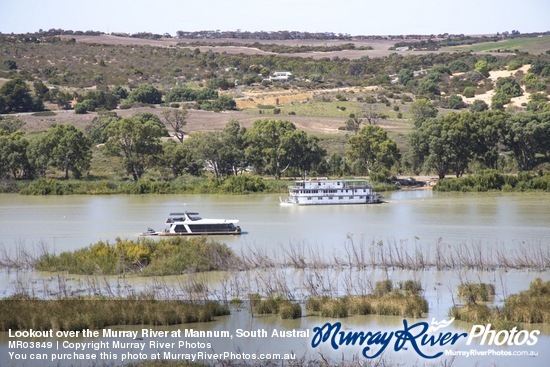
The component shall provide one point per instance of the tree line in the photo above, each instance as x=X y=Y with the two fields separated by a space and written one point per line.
x=444 y=144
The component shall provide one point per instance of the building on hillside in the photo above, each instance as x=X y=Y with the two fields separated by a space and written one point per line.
x=280 y=76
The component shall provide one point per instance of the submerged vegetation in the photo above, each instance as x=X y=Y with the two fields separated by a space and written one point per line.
x=23 y=312
x=145 y=257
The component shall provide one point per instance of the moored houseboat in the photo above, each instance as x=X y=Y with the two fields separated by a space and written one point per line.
x=331 y=192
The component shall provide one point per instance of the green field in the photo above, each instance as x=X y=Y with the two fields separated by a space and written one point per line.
x=533 y=45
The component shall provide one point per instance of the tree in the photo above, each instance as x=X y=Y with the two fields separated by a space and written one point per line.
x=353 y=123
x=306 y=153
x=206 y=148
x=488 y=127
x=509 y=87
x=444 y=143
x=538 y=102
x=13 y=155
x=273 y=147
x=177 y=120
x=69 y=149
x=180 y=158
x=372 y=149
x=527 y=135
x=422 y=109
x=137 y=140
x=16 y=97
x=482 y=66
x=235 y=145
x=146 y=93
x=96 y=130
x=405 y=76
x=454 y=102
x=478 y=106
x=10 y=64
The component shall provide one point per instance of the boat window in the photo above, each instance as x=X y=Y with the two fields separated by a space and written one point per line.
x=194 y=217
x=180 y=228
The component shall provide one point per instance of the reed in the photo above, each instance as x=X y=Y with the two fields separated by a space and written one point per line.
x=275 y=305
x=530 y=306
x=385 y=300
x=21 y=312
x=480 y=292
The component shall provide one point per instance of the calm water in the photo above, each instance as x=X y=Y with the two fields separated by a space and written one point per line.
x=72 y=222
x=410 y=220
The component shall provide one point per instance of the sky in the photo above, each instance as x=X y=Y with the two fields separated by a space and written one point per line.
x=354 y=17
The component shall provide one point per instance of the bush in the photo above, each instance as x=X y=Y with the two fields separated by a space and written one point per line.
x=146 y=257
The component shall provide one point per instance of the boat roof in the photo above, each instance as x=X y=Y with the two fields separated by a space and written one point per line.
x=323 y=179
x=185 y=213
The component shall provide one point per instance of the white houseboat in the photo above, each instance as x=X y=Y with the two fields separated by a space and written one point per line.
x=187 y=224
x=327 y=192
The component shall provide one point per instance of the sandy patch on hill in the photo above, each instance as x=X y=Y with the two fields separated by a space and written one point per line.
x=494 y=75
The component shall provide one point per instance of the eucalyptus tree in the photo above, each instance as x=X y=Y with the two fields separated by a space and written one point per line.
x=13 y=155
x=63 y=147
x=372 y=149
x=137 y=141
x=273 y=146
x=445 y=143
x=527 y=135
x=177 y=120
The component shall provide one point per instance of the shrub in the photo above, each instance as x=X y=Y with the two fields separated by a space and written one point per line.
x=145 y=256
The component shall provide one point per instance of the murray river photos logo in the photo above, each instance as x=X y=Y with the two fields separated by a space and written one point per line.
x=418 y=337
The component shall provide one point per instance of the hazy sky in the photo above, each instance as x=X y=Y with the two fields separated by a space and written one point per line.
x=356 y=17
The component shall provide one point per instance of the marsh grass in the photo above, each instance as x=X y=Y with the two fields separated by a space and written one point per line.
x=530 y=306
x=405 y=300
x=481 y=292
x=24 y=312
x=275 y=305
x=145 y=257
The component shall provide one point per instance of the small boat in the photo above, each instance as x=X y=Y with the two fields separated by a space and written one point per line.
x=188 y=224
x=330 y=192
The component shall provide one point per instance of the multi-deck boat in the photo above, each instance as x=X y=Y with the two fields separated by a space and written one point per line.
x=187 y=224
x=327 y=192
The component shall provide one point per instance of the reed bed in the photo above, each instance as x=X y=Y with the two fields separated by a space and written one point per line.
x=530 y=306
x=23 y=312
x=404 y=300
x=275 y=305
x=476 y=292
x=176 y=255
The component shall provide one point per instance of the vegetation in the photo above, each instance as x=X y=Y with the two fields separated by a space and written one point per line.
x=405 y=300
x=530 y=306
x=412 y=90
x=24 y=312
x=144 y=257
x=275 y=305
x=491 y=180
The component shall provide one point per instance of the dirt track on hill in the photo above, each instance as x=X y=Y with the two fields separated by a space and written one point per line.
x=196 y=121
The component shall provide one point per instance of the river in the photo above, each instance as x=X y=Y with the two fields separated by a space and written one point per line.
x=416 y=221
